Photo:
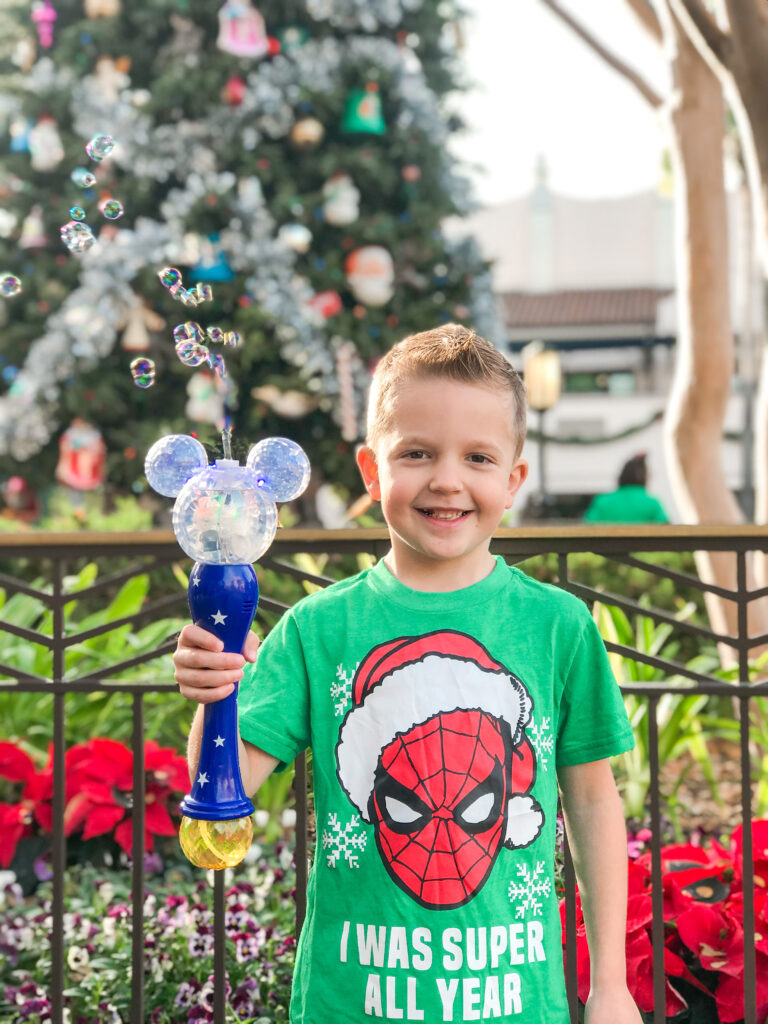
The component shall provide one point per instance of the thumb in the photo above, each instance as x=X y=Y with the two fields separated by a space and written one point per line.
x=251 y=647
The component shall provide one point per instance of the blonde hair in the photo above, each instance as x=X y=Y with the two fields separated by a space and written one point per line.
x=453 y=352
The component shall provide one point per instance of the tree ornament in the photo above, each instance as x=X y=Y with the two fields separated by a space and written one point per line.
x=212 y=264
x=370 y=274
x=242 y=31
x=45 y=145
x=21 y=501
x=19 y=130
x=206 y=395
x=295 y=236
x=307 y=133
x=327 y=303
x=82 y=457
x=103 y=8
x=32 y=230
x=341 y=200
x=109 y=80
x=292 y=38
x=44 y=15
x=362 y=112
x=25 y=54
x=224 y=517
x=234 y=90
x=139 y=322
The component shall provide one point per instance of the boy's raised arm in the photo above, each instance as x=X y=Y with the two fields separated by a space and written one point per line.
x=594 y=821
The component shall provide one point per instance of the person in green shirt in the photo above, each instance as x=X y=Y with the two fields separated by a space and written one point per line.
x=445 y=696
x=630 y=502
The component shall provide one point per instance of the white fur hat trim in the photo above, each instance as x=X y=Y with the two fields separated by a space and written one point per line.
x=411 y=695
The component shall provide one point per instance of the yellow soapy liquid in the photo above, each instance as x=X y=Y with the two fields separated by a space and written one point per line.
x=215 y=844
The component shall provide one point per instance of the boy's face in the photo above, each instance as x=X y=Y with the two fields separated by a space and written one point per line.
x=444 y=471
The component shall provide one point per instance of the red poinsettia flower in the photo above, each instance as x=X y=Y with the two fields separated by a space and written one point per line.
x=759 y=852
x=100 y=788
x=715 y=936
x=34 y=805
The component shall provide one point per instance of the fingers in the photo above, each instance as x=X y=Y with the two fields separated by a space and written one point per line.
x=203 y=670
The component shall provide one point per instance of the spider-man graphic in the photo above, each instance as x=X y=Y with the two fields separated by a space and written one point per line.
x=433 y=754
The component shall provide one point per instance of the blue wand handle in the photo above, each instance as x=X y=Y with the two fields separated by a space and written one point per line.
x=222 y=599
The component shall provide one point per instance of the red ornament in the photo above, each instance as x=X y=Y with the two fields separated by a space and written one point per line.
x=234 y=91
x=327 y=303
x=82 y=456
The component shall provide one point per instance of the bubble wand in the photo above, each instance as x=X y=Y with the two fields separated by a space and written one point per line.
x=225 y=517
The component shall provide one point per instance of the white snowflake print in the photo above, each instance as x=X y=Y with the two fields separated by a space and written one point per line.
x=343 y=841
x=341 y=689
x=530 y=890
x=542 y=739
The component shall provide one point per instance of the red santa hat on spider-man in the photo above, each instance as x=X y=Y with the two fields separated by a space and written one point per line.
x=407 y=682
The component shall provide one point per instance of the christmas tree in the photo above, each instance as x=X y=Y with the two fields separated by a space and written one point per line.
x=292 y=157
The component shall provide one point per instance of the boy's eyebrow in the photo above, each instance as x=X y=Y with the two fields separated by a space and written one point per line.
x=474 y=444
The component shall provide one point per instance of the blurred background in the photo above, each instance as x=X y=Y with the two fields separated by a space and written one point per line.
x=583 y=185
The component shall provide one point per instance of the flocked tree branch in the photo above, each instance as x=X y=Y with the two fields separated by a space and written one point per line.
x=647 y=91
x=645 y=14
x=704 y=31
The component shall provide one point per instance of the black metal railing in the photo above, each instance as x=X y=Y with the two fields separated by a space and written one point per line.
x=37 y=565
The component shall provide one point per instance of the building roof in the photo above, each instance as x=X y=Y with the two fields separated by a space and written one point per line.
x=591 y=307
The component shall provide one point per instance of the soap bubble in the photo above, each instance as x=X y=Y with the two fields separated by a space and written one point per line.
x=83 y=178
x=186 y=296
x=281 y=466
x=76 y=236
x=221 y=517
x=113 y=209
x=215 y=334
x=232 y=338
x=171 y=461
x=143 y=372
x=191 y=353
x=169 y=276
x=100 y=146
x=219 y=366
x=77 y=213
x=10 y=286
x=204 y=292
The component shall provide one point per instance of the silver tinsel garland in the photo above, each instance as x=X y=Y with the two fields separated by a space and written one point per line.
x=86 y=326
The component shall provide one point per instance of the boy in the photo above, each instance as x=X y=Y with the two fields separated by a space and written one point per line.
x=440 y=692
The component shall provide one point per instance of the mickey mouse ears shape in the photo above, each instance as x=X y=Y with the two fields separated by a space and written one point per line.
x=171 y=461
x=281 y=466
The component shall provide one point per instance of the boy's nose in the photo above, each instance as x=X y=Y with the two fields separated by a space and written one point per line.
x=445 y=477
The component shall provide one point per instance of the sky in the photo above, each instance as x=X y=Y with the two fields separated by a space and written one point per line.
x=540 y=91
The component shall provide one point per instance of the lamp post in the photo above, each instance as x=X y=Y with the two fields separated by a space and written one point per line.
x=543 y=380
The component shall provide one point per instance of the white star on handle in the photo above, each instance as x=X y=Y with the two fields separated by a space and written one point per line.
x=219 y=741
x=202 y=778
x=219 y=619
x=196 y=580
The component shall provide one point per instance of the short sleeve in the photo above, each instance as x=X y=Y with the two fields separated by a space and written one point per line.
x=593 y=723
x=273 y=703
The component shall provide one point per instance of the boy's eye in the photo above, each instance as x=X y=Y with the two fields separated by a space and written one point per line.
x=415 y=455
x=476 y=457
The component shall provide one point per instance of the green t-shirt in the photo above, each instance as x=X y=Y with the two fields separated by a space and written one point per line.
x=630 y=504
x=437 y=722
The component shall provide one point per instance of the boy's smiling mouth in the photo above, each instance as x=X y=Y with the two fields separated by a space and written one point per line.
x=444 y=513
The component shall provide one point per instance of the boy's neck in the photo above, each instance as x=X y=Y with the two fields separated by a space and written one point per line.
x=438 y=576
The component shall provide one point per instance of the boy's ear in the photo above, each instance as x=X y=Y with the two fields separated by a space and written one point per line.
x=516 y=480
x=369 y=470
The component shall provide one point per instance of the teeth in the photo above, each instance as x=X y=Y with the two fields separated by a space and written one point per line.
x=444 y=515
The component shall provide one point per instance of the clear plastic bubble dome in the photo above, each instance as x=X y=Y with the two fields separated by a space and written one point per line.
x=281 y=466
x=171 y=461
x=222 y=517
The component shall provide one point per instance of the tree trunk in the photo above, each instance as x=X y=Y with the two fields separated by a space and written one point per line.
x=705 y=351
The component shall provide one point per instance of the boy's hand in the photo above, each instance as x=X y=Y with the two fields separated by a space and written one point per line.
x=611 y=1007
x=203 y=670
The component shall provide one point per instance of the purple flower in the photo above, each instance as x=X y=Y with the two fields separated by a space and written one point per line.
x=199 y=944
x=153 y=862
x=247 y=946
x=187 y=993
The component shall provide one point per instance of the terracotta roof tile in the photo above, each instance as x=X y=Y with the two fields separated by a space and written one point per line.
x=572 y=308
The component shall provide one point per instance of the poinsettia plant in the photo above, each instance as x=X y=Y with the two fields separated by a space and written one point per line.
x=703 y=907
x=98 y=793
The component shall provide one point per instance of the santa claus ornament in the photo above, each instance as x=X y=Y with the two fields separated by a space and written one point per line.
x=371 y=275
x=241 y=30
x=82 y=457
x=433 y=754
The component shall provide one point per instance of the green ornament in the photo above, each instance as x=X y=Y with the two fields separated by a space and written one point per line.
x=362 y=112
x=292 y=37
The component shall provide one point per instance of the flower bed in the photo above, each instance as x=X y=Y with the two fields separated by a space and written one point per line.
x=703 y=909
x=178 y=944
